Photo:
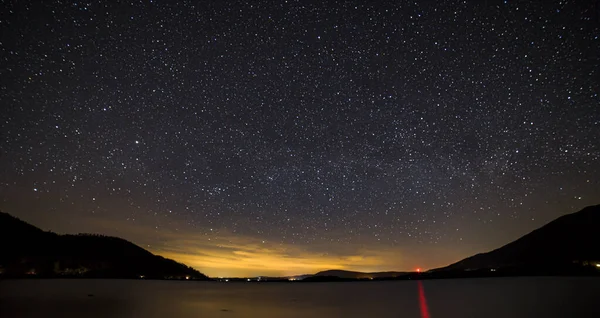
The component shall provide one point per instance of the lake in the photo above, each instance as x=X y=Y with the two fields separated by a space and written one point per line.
x=517 y=297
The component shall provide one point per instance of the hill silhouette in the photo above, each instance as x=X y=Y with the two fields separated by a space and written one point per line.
x=29 y=251
x=569 y=245
x=570 y=239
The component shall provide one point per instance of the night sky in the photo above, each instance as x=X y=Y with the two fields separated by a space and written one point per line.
x=287 y=137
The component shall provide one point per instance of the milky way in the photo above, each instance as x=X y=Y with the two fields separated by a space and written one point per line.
x=355 y=135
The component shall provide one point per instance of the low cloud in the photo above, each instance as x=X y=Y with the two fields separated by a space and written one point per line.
x=224 y=254
x=234 y=255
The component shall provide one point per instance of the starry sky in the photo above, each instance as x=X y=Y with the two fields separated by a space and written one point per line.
x=285 y=137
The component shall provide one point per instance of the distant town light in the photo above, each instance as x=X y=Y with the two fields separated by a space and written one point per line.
x=598 y=265
x=187 y=277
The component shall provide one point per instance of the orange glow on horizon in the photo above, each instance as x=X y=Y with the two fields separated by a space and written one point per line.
x=226 y=254
x=249 y=259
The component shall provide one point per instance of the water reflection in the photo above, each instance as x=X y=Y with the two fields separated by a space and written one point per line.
x=549 y=297
x=422 y=301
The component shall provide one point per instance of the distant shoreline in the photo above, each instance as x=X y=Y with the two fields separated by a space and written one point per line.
x=333 y=279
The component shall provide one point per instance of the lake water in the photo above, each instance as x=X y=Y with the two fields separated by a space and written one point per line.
x=546 y=297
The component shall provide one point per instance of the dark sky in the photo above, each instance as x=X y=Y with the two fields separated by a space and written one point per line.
x=285 y=137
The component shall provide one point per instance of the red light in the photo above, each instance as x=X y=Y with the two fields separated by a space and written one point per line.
x=418 y=270
x=423 y=301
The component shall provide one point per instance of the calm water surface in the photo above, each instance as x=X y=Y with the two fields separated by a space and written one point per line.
x=546 y=297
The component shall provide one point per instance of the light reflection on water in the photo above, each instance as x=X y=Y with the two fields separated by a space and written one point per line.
x=422 y=301
x=491 y=298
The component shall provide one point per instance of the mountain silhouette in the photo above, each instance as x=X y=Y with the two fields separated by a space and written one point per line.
x=570 y=239
x=27 y=250
x=569 y=245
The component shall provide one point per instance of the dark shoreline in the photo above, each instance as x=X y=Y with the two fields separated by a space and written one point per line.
x=586 y=271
